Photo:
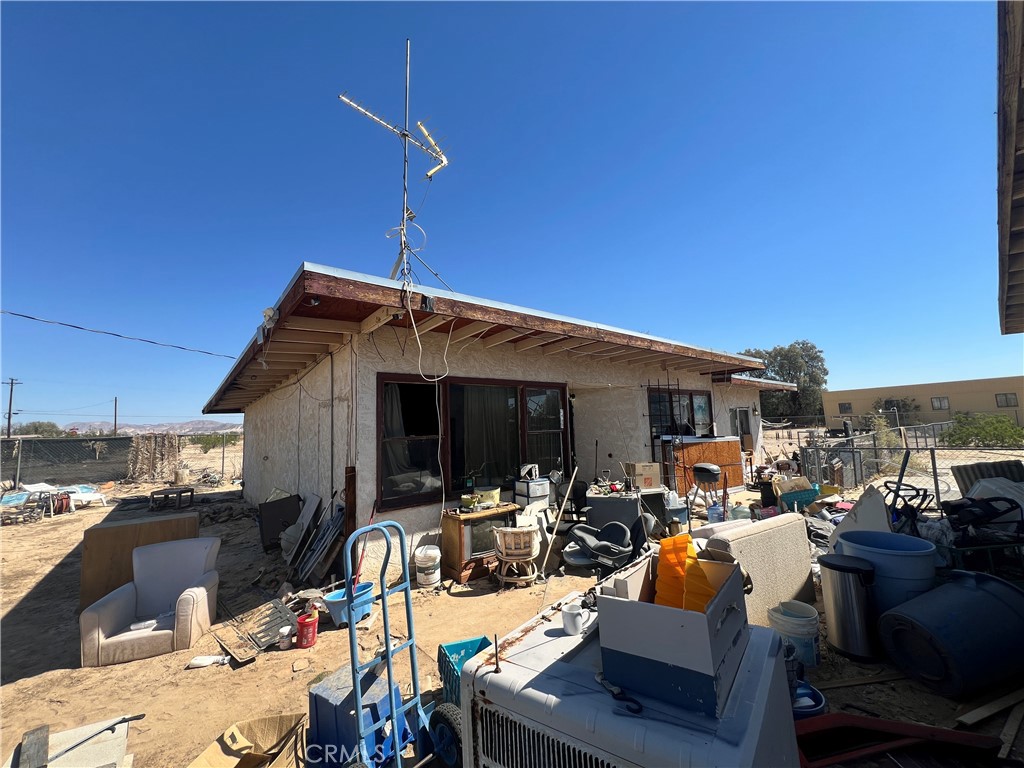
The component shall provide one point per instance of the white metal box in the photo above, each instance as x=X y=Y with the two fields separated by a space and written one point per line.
x=545 y=708
x=533 y=489
x=686 y=658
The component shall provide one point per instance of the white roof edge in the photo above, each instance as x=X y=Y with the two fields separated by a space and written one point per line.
x=758 y=380
x=441 y=293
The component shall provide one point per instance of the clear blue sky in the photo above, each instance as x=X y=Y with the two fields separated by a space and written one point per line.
x=728 y=175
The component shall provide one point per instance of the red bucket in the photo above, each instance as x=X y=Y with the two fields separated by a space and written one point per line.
x=306 y=637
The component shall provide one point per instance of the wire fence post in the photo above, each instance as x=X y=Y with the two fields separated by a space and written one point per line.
x=935 y=477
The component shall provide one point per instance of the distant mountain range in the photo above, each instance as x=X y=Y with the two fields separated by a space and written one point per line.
x=195 y=427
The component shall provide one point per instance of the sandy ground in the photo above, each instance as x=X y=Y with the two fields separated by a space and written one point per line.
x=42 y=681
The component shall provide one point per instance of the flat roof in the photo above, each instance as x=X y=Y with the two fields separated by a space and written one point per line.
x=322 y=307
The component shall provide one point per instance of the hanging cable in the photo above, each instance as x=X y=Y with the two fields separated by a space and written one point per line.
x=116 y=335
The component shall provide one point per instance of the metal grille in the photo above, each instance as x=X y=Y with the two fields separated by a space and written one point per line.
x=505 y=742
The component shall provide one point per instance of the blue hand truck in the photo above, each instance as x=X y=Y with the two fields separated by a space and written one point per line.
x=389 y=725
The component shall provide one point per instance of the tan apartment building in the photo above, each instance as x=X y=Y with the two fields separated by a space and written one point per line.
x=938 y=401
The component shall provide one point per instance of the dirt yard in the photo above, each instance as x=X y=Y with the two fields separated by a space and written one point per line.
x=41 y=681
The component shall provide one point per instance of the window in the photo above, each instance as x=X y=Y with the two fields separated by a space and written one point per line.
x=846 y=407
x=491 y=428
x=940 y=403
x=890 y=404
x=1006 y=400
x=678 y=412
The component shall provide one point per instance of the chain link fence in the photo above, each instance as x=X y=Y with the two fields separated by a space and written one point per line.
x=65 y=460
x=876 y=457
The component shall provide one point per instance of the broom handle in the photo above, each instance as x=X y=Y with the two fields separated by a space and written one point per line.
x=558 y=519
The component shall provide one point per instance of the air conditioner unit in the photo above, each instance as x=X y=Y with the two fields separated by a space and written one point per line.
x=540 y=704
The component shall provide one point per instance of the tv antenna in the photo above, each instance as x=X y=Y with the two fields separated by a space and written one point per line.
x=430 y=148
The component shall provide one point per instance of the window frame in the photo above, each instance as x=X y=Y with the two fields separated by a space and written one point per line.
x=448 y=491
x=1006 y=397
x=672 y=392
x=942 y=399
x=845 y=409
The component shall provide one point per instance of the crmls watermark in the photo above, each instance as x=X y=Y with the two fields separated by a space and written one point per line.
x=334 y=754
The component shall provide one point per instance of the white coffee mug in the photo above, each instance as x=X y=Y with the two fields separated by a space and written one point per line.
x=572 y=619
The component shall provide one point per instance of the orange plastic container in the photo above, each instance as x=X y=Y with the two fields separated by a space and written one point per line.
x=306 y=636
x=681 y=581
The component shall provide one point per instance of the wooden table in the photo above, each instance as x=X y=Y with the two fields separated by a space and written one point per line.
x=161 y=497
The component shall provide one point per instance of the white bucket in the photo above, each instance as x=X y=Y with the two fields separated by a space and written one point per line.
x=428 y=566
x=798 y=623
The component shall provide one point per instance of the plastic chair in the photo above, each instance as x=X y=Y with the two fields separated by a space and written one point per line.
x=517 y=550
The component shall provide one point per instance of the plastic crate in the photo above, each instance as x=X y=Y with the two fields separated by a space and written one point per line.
x=793 y=499
x=450 y=658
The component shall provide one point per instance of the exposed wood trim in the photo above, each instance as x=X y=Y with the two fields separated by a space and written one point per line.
x=305 y=347
x=626 y=356
x=564 y=344
x=296 y=357
x=534 y=341
x=378 y=318
x=589 y=349
x=432 y=322
x=650 y=357
x=472 y=329
x=294 y=365
x=1010 y=40
x=308 y=337
x=503 y=336
x=321 y=324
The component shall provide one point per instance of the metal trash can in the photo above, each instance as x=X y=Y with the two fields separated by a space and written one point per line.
x=848 y=613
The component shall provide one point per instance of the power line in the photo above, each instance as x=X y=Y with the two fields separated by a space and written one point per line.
x=116 y=335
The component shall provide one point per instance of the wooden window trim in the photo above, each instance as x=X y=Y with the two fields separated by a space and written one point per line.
x=430 y=497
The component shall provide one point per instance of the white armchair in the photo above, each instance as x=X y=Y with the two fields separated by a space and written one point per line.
x=175 y=586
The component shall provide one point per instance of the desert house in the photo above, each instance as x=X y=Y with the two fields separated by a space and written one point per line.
x=423 y=393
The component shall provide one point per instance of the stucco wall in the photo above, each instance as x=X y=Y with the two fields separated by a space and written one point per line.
x=290 y=427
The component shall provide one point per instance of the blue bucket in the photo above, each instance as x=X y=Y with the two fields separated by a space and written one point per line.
x=904 y=565
x=362 y=602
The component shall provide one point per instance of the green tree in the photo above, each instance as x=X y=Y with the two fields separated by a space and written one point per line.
x=800 y=363
x=983 y=430
x=42 y=428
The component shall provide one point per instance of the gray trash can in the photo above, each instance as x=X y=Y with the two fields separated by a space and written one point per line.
x=848 y=613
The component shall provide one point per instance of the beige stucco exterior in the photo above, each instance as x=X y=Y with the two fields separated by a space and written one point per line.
x=289 y=431
x=968 y=396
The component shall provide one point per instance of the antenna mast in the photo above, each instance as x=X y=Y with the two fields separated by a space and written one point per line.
x=401 y=266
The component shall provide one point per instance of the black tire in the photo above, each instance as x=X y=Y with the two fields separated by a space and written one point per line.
x=446 y=733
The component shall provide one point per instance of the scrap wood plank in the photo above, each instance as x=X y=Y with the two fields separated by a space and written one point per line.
x=883 y=677
x=1009 y=733
x=35 y=748
x=993 y=707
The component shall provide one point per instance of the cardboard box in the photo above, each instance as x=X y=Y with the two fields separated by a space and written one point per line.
x=646 y=475
x=684 y=658
x=533 y=489
x=278 y=741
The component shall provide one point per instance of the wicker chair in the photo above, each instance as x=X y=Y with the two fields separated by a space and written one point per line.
x=517 y=550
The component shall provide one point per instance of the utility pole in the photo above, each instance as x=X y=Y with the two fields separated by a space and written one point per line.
x=10 y=403
x=115 y=417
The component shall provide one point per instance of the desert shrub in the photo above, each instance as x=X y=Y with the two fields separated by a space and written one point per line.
x=983 y=430
x=209 y=442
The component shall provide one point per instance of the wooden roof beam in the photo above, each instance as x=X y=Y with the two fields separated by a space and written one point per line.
x=473 y=329
x=378 y=318
x=432 y=322
x=303 y=347
x=535 y=341
x=308 y=337
x=287 y=357
x=597 y=346
x=503 y=336
x=653 y=357
x=563 y=345
x=320 y=324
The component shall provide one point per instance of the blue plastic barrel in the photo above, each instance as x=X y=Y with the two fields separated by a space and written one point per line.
x=362 y=602
x=960 y=639
x=904 y=565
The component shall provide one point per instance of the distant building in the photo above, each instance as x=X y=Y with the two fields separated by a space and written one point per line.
x=937 y=401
